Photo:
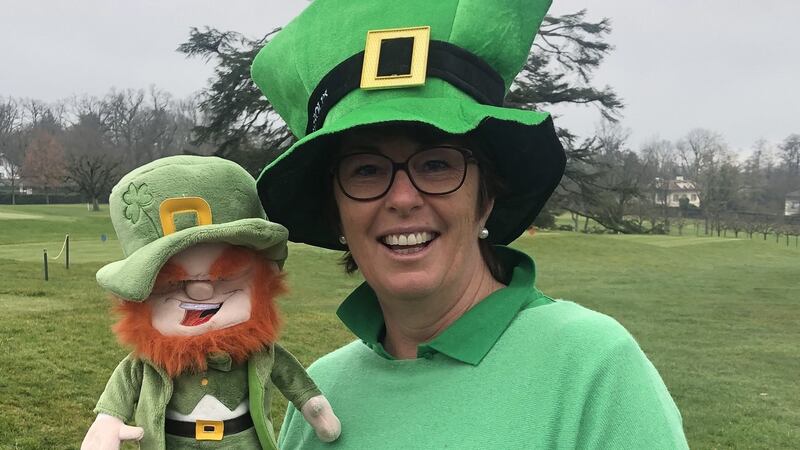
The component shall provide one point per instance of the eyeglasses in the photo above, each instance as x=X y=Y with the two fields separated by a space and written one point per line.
x=437 y=170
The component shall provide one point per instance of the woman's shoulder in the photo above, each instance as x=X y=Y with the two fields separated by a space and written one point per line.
x=345 y=357
x=577 y=340
x=565 y=322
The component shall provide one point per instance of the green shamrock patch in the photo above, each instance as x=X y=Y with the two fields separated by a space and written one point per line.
x=137 y=201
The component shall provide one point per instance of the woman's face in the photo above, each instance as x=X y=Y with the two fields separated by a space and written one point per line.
x=445 y=227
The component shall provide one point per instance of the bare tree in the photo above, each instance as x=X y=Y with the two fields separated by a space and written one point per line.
x=705 y=159
x=90 y=163
x=12 y=151
x=700 y=150
x=44 y=162
x=790 y=154
x=750 y=225
x=156 y=127
x=659 y=156
x=121 y=116
x=765 y=227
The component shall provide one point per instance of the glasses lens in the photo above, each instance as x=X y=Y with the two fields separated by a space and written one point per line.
x=364 y=175
x=438 y=170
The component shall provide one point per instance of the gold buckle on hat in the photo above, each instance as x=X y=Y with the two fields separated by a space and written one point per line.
x=372 y=55
x=209 y=430
x=178 y=205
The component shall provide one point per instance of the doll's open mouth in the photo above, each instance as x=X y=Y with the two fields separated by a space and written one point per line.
x=198 y=313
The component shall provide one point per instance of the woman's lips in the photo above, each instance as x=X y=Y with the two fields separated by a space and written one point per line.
x=408 y=239
x=408 y=243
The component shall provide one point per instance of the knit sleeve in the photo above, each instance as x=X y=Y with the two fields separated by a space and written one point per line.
x=627 y=403
x=122 y=390
x=291 y=378
x=292 y=426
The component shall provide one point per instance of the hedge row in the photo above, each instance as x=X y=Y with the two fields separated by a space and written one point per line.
x=41 y=199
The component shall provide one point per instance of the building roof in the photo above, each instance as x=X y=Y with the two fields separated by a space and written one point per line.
x=677 y=185
x=793 y=195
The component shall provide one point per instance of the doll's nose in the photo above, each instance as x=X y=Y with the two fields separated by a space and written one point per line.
x=199 y=290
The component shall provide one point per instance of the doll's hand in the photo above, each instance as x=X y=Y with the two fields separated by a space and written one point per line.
x=320 y=416
x=107 y=432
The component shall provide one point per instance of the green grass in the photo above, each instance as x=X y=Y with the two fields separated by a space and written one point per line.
x=718 y=317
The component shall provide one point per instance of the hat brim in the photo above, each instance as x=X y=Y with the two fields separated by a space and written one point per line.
x=132 y=278
x=523 y=145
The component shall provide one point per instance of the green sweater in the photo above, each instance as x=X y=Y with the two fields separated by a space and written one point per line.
x=517 y=371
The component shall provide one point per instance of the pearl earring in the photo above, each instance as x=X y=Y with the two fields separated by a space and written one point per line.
x=483 y=234
x=342 y=240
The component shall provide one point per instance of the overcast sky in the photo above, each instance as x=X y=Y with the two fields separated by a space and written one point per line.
x=727 y=65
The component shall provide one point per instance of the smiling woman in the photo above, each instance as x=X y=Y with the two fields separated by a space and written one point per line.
x=427 y=177
x=381 y=230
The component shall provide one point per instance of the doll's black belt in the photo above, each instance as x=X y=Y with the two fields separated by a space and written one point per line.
x=208 y=430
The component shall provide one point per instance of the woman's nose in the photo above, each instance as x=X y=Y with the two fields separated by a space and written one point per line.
x=403 y=195
x=199 y=290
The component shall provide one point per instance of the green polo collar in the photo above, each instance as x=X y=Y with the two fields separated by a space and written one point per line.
x=470 y=337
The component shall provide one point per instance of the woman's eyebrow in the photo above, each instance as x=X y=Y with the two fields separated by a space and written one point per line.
x=360 y=147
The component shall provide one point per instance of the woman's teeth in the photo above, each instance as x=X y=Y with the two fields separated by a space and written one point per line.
x=408 y=239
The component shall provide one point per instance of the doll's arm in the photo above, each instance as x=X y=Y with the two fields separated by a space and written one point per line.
x=115 y=407
x=291 y=379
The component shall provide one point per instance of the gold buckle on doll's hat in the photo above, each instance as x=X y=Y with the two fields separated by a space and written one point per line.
x=179 y=205
x=209 y=430
x=373 y=75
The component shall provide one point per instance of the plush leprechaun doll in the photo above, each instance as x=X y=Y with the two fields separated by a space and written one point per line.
x=197 y=293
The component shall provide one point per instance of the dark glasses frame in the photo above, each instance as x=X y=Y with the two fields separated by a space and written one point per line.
x=466 y=153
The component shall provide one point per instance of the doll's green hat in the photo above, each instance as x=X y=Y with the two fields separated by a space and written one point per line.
x=170 y=204
x=448 y=64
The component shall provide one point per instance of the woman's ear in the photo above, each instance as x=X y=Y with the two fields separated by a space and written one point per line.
x=488 y=211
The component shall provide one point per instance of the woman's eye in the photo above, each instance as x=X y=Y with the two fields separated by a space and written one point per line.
x=435 y=165
x=365 y=171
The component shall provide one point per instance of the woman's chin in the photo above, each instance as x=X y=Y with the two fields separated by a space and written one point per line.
x=411 y=285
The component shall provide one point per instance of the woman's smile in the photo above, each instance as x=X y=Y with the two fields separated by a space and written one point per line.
x=409 y=242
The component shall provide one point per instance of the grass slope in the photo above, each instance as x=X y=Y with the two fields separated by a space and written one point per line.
x=718 y=318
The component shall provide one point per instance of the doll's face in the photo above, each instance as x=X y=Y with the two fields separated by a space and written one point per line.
x=202 y=289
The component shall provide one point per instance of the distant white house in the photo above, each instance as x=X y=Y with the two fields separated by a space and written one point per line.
x=792 y=206
x=672 y=191
x=3 y=169
x=5 y=172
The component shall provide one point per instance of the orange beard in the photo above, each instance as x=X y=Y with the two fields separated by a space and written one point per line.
x=177 y=354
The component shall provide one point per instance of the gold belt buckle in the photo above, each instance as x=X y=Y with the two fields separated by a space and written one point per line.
x=208 y=430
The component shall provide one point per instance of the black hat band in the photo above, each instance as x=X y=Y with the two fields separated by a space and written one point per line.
x=459 y=67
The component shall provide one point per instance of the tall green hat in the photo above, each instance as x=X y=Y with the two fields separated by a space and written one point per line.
x=342 y=64
x=172 y=203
